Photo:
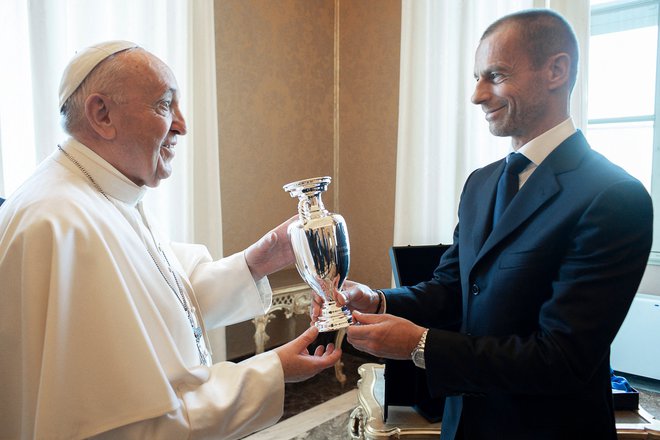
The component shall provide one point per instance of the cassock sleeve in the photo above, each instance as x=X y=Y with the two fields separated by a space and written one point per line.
x=226 y=401
x=224 y=289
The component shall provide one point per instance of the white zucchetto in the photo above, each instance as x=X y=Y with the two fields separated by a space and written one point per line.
x=84 y=62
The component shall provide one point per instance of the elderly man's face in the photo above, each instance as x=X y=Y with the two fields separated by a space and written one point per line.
x=509 y=90
x=149 y=120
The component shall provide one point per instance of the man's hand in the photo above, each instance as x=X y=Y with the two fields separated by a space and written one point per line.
x=354 y=295
x=298 y=364
x=384 y=336
x=271 y=253
x=359 y=297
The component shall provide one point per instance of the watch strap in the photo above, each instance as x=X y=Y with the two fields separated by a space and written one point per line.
x=417 y=354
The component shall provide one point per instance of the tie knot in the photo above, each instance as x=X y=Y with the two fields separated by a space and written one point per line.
x=516 y=163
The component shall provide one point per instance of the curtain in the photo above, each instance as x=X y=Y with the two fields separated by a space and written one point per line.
x=442 y=135
x=38 y=37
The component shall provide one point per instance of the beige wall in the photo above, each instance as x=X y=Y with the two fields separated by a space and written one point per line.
x=370 y=35
x=309 y=88
x=275 y=103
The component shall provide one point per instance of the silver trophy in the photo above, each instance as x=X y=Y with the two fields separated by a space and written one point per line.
x=320 y=244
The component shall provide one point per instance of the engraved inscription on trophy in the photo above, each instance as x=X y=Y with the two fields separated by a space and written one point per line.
x=320 y=243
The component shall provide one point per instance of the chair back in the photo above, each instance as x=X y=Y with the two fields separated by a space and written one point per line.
x=414 y=264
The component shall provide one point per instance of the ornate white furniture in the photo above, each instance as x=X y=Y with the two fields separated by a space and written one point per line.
x=366 y=421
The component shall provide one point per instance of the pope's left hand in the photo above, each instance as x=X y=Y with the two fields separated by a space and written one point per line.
x=273 y=252
x=385 y=336
x=298 y=364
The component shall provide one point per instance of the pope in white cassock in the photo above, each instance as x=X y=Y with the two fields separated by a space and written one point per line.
x=102 y=322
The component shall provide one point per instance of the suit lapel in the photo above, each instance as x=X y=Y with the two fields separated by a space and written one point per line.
x=484 y=209
x=541 y=187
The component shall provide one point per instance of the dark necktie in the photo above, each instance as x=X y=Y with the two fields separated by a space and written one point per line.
x=507 y=187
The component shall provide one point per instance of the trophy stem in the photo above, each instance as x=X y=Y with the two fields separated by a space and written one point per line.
x=332 y=317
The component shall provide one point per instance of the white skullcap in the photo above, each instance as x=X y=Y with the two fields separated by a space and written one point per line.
x=84 y=62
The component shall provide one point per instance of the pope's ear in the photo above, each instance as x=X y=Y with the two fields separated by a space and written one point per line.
x=97 y=112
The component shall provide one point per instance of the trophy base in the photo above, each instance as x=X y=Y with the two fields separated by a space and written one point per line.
x=333 y=318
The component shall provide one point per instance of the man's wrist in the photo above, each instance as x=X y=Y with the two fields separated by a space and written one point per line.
x=381 y=295
x=417 y=354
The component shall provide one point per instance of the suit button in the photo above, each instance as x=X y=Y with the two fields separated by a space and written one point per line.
x=474 y=289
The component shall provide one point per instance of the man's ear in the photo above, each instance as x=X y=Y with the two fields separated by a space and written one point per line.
x=559 y=67
x=97 y=112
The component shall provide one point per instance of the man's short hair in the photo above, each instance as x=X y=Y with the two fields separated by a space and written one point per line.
x=543 y=33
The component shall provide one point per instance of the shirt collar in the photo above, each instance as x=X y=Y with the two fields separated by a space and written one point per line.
x=541 y=146
x=111 y=180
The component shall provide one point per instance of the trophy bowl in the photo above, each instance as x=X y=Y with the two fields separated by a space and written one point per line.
x=320 y=244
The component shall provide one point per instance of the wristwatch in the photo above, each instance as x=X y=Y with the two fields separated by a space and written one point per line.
x=418 y=353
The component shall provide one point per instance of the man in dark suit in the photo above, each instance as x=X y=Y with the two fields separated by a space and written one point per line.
x=517 y=322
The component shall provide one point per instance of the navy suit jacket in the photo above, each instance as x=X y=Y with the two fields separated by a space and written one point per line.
x=522 y=316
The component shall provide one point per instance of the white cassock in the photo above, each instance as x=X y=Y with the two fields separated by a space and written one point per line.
x=93 y=340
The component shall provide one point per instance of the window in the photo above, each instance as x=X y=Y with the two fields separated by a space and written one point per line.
x=623 y=77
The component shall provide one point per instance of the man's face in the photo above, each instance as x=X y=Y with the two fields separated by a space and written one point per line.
x=148 y=120
x=510 y=91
